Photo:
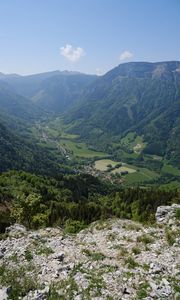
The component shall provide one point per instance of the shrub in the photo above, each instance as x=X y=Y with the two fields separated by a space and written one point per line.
x=122 y=252
x=93 y=255
x=177 y=214
x=28 y=255
x=145 y=239
x=44 y=250
x=18 y=280
x=136 y=250
x=131 y=263
x=170 y=236
x=73 y=226
x=143 y=290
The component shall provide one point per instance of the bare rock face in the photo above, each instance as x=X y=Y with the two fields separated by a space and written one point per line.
x=3 y=293
x=112 y=259
x=166 y=214
x=16 y=230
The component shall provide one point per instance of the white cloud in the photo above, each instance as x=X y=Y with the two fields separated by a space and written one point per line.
x=71 y=53
x=126 y=55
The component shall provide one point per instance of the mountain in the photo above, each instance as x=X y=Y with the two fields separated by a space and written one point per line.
x=52 y=91
x=22 y=152
x=138 y=96
x=58 y=93
x=143 y=98
x=20 y=149
x=5 y=76
x=16 y=105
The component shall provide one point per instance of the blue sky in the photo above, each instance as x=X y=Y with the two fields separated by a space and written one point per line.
x=90 y=36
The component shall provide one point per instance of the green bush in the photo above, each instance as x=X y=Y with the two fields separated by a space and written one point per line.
x=136 y=250
x=93 y=255
x=20 y=283
x=177 y=214
x=131 y=263
x=28 y=255
x=73 y=226
x=145 y=238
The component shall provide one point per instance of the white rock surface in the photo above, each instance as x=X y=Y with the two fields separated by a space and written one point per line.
x=3 y=293
x=115 y=259
x=165 y=214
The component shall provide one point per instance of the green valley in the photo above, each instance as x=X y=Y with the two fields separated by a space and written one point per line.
x=125 y=157
x=122 y=127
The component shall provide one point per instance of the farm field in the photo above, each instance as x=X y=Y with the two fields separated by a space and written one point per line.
x=124 y=168
x=102 y=165
x=170 y=170
x=135 y=175
x=80 y=149
x=55 y=139
x=141 y=175
x=50 y=137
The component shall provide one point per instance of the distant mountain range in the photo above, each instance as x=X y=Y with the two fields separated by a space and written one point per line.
x=52 y=91
x=138 y=96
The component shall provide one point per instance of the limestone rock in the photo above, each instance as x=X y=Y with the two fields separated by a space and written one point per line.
x=165 y=214
x=16 y=230
x=3 y=293
x=119 y=259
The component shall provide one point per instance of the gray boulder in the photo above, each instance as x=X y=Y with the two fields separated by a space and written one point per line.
x=165 y=214
x=3 y=293
x=16 y=230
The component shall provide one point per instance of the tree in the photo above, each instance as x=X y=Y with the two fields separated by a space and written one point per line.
x=27 y=210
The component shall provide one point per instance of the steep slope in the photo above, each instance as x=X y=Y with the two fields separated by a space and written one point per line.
x=58 y=93
x=53 y=91
x=28 y=85
x=16 y=105
x=23 y=153
x=144 y=97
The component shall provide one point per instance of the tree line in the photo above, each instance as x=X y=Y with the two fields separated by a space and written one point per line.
x=74 y=201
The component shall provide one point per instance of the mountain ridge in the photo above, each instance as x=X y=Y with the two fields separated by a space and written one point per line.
x=138 y=97
x=126 y=97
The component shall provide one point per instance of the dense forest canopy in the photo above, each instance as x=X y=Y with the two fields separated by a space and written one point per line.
x=73 y=201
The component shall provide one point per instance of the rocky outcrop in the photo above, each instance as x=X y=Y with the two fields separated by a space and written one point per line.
x=3 y=293
x=113 y=259
x=16 y=230
x=166 y=214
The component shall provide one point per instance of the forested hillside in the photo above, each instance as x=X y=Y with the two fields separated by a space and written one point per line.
x=52 y=91
x=23 y=153
x=15 y=105
x=141 y=97
x=74 y=201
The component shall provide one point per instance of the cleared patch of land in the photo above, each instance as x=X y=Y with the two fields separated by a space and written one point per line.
x=135 y=174
x=140 y=176
x=170 y=170
x=102 y=165
x=53 y=136
x=80 y=149
x=133 y=142
x=124 y=168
